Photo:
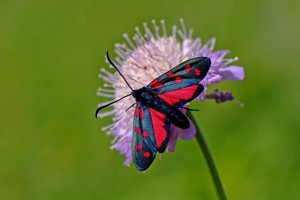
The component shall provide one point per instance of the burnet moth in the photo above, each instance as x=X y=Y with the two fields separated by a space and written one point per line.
x=157 y=107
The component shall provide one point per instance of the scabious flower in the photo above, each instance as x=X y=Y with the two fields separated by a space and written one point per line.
x=144 y=58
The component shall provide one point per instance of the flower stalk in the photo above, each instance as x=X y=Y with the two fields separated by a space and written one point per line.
x=209 y=160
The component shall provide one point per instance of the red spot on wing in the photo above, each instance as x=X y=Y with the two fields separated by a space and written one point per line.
x=187 y=67
x=146 y=154
x=175 y=96
x=178 y=79
x=138 y=147
x=142 y=113
x=136 y=112
x=197 y=72
x=137 y=129
x=158 y=121
x=170 y=74
x=153 y=82
x=145 y=134
x=157 y=85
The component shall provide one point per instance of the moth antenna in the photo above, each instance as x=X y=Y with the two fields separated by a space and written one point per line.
x=111 y=62
x=101 y=107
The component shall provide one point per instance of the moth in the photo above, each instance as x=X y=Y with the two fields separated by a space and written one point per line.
x=158 y=106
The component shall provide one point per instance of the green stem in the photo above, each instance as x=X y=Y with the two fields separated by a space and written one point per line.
x=209 y=160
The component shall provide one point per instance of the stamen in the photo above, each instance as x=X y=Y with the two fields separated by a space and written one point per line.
x=163 y=27
x=120 y=52
x=104 y=103
x=135 y=80
x=156 y=29
x=212 y=43
x=181 y=34
x=125 y=35
x=174 y=31
x=107 y=79
x=105 y=114
x=153 y=49
x=118 y=61
x=106 y=90
x=147 y=30
x=133 y=56
x=137 y=40
x=103 y=70
x=228 y=61
x=197 y=42
x=105 y=128
x=117 y=118
x=105 y=95
x=107 y=85
x=126 y=49
x=183 y=27
x=139 y=34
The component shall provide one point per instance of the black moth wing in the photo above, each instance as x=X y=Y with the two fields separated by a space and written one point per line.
x=180 y=85
x=143 y=141
x=186 y=74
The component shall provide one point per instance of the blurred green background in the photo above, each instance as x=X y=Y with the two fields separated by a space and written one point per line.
x=51 y=145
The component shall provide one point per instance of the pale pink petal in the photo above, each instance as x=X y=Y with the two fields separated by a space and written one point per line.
x=234 y=73
x=173 y=139
x=214 y=79
x=187 y=134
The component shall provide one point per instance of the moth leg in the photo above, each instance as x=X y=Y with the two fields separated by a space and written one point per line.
x=130 y=107
x=190 y=109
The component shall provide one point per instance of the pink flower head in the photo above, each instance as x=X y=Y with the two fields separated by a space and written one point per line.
x=144 y=58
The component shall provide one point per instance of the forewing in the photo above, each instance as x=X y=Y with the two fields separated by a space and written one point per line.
x=181 y=84
x=151 y=131
x=143 y=141
x=193 y=70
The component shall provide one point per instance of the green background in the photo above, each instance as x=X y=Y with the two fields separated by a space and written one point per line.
x=51 y=146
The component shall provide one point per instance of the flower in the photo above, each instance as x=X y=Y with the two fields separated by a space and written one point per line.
x=143 y=59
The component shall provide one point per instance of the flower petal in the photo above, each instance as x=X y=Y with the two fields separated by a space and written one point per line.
x=214 y=79
x=235 y=73
x=173 y=139
x=187 y=134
